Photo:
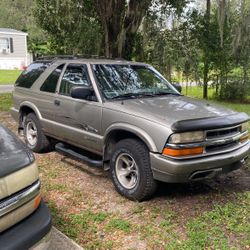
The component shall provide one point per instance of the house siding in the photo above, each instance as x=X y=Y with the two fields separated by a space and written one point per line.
x=19 y=45
x=19 y=58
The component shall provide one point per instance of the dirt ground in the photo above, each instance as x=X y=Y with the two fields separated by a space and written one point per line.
x=86 y=207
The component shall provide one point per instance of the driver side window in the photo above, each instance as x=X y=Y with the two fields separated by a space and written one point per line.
x=74 y=75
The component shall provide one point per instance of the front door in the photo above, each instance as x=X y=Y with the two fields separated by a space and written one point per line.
x=78 y=121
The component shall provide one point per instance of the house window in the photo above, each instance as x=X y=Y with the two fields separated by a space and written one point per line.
x=6 y=44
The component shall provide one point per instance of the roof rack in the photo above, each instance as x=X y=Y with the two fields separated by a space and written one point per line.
x=72 y=57
x=54 y=57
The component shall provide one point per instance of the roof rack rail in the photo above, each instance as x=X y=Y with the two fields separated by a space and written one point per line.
x=68 y=57
x=54 y=57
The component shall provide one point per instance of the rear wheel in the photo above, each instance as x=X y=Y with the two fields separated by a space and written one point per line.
x=130 y=170
x=34 y=136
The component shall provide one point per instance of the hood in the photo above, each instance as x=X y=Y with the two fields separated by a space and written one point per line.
x=14 y=155
x=170 y=109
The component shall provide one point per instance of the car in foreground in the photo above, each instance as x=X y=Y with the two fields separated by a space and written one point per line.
x=25 y=221
x=134 y=121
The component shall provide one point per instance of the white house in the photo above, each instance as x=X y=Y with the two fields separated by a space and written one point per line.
x=13 y=49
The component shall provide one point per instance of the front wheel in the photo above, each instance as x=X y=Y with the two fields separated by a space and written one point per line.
x=130 y=170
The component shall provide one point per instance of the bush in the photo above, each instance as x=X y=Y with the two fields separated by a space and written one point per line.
x=235 y=89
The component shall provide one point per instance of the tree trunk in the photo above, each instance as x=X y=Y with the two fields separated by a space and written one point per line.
x=205 y=78
x=120 y=21
x=217 y=86
x=111 y=14
x=206 y=53
x=221 y=19
x=169 y=71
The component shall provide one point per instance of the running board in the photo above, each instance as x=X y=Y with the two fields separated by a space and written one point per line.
x=67 y=151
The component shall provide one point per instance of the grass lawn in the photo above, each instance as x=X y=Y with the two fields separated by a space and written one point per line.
x=236 y=106
x=9 y=76
x=197 y=92
x=5 y=102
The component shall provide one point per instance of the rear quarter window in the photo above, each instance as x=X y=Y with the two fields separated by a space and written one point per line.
x=50 y=83
x=31 y=74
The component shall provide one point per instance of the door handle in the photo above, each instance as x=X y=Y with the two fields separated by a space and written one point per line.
x=57 y=102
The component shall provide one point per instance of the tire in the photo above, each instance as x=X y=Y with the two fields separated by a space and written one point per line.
x=34 y=136
x=130 y=170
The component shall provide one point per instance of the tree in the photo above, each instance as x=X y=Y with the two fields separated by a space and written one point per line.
x=116 y=20
x=225 y=45
x=241 y=47
x=206 y=49
x=120 y=21
x=170 y=48
x=72 y=25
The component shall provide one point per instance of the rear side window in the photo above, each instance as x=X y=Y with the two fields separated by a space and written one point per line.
x=50 y=83
x=31 y=74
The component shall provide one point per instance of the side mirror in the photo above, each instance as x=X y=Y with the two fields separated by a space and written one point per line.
x=177 y=86
x=81 y=92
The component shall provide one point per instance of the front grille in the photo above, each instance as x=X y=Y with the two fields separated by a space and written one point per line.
x=222 y=139
x=215 y=134
x=16 y=200
x=210 y=149
x=2 y=201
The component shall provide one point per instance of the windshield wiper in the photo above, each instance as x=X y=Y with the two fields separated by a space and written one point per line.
x=142 y=94
x=126 y=95
x=166 y=93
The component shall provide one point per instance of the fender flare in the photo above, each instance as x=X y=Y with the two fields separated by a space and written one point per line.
x=31 y=106
x=132 y=129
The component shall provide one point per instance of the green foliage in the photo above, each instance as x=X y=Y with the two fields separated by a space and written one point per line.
x=71 y=26
x=217 y=45
x=97 y=27
x=235 y=88
x=190 y=49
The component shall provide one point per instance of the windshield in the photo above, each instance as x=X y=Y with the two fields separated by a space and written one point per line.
x=130 y=81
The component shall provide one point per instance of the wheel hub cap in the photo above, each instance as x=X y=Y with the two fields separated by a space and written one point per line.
x=31 y=133
x=126 y=171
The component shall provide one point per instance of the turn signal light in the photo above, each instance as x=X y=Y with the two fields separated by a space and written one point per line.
x=37 y=201
x=182 y=152
x=244 y=138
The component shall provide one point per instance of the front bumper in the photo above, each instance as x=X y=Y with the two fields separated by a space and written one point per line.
x=27 y=233
x=171 y=170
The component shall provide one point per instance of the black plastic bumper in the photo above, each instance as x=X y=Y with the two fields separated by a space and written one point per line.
x=28 y=232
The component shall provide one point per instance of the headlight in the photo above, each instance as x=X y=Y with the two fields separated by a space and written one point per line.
x=244 y=126
x=187 y=137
